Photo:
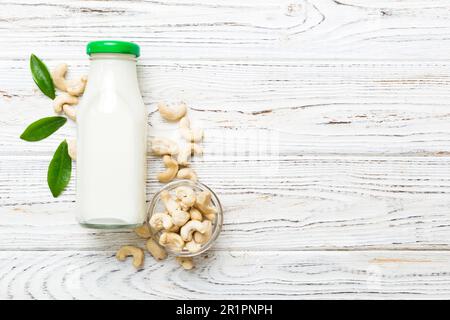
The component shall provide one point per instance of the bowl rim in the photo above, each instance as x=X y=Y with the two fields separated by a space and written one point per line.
x=217 y=224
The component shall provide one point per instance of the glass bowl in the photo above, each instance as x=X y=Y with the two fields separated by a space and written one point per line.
x=156 y=205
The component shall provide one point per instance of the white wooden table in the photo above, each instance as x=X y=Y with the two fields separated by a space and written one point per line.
x=328 y=142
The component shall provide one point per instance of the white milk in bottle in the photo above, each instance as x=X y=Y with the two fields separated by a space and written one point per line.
x=111 y=140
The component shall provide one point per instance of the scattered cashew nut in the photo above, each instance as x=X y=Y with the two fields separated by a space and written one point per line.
x=186 y=196
x=202 y=238
x=143 y=231
x=186 y=262
x=161 y=220
x=203 y=203
x=155 y=250
x=164 y=146
x=58 y=75
x=191 y=135
x=76 y=87
x=187 y=173
x=70 y=111
x=63 y=99
x=72 y=148
x=172 y=113
x=73 y=87
x=184 y=155
x=171 y=169
x=190 y=227
x=135 y=252
x=187 y=151
x=171 y=240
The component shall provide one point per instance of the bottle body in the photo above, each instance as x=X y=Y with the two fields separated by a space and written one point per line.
x=111 y=145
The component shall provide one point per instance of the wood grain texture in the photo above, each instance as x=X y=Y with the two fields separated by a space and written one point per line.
x=277 y=107
x=255 y=29
x=327 y=140
x=227 y=275
x=293 y=203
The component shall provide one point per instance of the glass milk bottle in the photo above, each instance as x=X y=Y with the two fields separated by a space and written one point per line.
x=111 y=140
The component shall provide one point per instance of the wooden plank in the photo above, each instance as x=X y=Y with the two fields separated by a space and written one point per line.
x=245 y=86
x=177 y=29
x=289 y=108
x=301 y=203
x=228 y=275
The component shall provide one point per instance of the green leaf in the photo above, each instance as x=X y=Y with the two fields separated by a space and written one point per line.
x=42 y=77
x=42 y=128
x=59 y=170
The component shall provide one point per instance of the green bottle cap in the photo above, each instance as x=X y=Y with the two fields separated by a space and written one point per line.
x=112 y=46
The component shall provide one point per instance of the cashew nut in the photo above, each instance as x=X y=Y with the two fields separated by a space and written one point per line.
x=172 y=113
x=171 y=240
x=70 y=111
x=189 y=228
x=163 y=146
x=76 y=87
x=174 y=228
x=184 y=155
x=191 y=135
x=186 y=196
x=202 y=238
x=170 y=203
x=155 y=250
x=63 y=99
x=161 y=220
x=195 y=214
x=72 y=148
x=135 y=252
x=73 y=87
x=171 y=169
x=203 y=203
x=193 y=246
x=187 y=151
x=187 y=173
x=186 y=262
x=179 y=217
x=210 y=216
x=58 y=75
x=143 y=231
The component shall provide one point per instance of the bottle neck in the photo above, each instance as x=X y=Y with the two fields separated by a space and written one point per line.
x=113 y=68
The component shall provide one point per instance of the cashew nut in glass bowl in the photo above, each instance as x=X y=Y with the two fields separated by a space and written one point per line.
x=185 y=217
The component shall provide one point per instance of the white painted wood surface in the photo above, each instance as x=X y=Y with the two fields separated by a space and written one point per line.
x=228 y=275
x=327 y=141
x=317 y=29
